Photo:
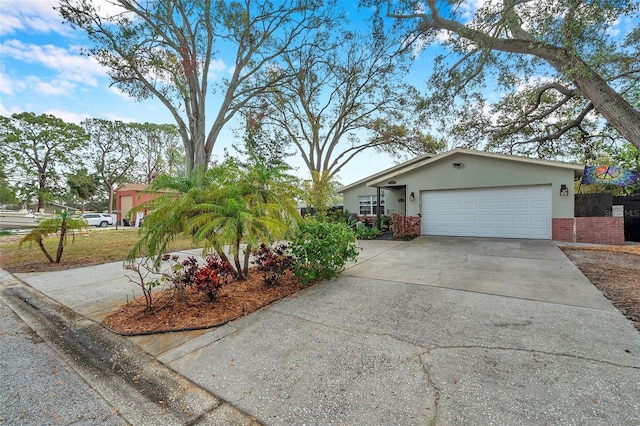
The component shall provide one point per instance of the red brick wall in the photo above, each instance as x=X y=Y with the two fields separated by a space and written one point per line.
x=601 y=230
x=562 y=229
x=598 y=230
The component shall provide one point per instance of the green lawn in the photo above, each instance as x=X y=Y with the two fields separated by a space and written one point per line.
x=89 y=248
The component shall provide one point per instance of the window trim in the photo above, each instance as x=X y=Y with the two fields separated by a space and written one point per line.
x=370 y=202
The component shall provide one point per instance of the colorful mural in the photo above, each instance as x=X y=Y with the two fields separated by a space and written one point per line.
x=611 y=175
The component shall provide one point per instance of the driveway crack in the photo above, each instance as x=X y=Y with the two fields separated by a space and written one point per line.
x=454 y=347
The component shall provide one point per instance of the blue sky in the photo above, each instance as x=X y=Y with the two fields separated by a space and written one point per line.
x=42 y=71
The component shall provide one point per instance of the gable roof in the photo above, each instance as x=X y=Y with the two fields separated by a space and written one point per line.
x=387 y=171
x=380 y=178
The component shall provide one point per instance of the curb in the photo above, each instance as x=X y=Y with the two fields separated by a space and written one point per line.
x=144 y=390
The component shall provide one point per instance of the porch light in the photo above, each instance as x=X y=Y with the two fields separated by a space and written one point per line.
x=412 y=197
x=458 y=165
x=564 y=191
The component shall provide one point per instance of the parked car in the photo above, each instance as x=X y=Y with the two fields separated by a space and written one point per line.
x=98 y=219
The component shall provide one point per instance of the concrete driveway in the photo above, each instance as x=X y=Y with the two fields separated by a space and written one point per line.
x=431 y=331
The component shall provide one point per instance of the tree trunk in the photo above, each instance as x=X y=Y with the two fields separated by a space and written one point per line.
x=617 y=111
x=247 y=254
x=236 y=260
x=63 y=233
x=44 y=250
x=42 y=185
x=110 y=190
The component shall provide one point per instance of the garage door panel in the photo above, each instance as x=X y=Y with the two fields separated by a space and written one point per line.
x=508 y=212
x=486 y=218
x=540 y=204
x=539 y=219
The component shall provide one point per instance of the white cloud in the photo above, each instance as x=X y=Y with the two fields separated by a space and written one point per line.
x=6 y=84
x=117 y=91
x=119 y=117
x=40 y=16
x=4 y=111
x=55 y=87
x=32 y=15
x=69 y=64
x=68 y=116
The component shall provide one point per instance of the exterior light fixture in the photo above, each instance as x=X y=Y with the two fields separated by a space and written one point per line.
x=412 y=197
x=564 y=191
x=457 y=165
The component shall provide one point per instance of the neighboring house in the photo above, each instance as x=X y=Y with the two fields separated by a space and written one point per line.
x=128 y=196
x=481 y=194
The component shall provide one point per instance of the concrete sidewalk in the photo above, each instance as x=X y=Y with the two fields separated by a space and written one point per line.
x=431 y=331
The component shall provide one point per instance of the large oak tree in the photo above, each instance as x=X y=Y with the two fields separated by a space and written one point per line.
x=343 y=98
x=561 y=66
x=169 y=49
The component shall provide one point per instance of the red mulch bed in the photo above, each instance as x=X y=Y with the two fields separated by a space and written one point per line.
x=172 y=311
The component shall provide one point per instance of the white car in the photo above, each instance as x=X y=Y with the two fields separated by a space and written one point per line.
x=98 y=219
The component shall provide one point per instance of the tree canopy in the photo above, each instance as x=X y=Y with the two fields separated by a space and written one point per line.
x=180 y=51
x=560 y=71
x=112 y=152
x=40 y=147
x=345 y=94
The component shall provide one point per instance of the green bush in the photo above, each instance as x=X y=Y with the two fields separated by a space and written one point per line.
x=363 y=232
x=321 y=249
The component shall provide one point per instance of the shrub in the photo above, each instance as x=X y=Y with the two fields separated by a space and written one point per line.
x=273 y=262
x=144 y=269
x=321 y=249
x=207 y=278
x=383 y=223
x=363 y=232
x=403 y=227
x=345 y=216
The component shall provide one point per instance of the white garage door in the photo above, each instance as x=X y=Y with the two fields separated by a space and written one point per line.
x=505 y=212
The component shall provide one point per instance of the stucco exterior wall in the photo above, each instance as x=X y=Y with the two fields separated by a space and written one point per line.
x=137 y=199
x=392 y=198
x=484 y=172
x=350 y=200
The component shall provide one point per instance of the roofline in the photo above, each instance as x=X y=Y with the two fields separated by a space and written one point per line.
x=386 y=171
x=380 y=178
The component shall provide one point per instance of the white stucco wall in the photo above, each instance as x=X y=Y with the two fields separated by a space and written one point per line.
x=485 y=172
x=477 y=172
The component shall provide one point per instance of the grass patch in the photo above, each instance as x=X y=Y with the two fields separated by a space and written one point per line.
x=90 y=248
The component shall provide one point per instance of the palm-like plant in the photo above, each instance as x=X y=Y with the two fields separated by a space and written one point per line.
x=62 y=224
x=228 y=206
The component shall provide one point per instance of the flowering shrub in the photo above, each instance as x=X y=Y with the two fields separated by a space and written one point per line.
x=273 y=262
x=207 y=278
x=403 y=227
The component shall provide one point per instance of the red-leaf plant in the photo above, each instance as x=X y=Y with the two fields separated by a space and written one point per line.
x=207 y=278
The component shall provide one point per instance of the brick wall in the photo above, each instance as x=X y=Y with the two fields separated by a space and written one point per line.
x=598 y=230
x=563 y=229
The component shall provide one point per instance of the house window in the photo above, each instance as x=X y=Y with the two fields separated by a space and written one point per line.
x=368 y=205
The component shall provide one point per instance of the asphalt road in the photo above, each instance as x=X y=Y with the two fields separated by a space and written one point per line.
x=37 y=386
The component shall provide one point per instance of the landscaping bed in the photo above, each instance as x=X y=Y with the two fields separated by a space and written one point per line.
x=615 y=271
x=173 y=311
